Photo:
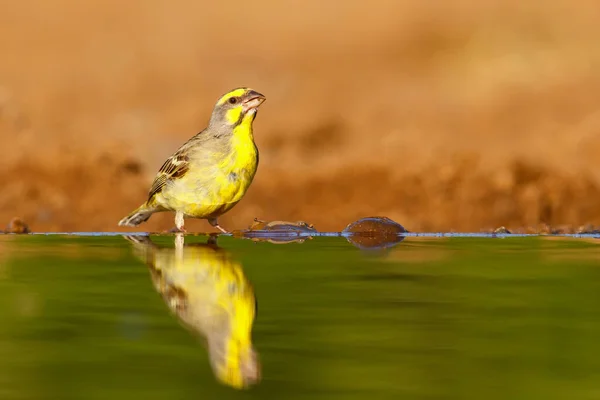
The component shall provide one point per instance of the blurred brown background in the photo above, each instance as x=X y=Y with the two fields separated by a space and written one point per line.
x=442 y=115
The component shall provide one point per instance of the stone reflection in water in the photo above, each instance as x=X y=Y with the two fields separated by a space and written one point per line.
x=209 y=294
x=374 y=233
x=277 y=232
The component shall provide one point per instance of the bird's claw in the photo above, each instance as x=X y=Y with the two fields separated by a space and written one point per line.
x=221 y=229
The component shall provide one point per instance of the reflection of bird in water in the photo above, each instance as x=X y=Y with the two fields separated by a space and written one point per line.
x=209 y=294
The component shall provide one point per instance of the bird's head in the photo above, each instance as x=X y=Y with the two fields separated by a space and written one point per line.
x=236 y=107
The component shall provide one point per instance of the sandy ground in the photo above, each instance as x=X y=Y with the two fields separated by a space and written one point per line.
x=461 y=115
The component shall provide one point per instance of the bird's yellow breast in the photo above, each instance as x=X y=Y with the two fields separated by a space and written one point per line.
x=211 y=189
x=238 y=168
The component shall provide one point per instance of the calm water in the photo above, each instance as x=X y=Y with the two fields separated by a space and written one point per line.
x=465 y=318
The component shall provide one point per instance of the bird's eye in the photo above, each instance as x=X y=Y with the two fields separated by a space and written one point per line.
x=233 y=100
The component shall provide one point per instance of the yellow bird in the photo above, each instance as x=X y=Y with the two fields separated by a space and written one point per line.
x=212 y=171
x=209 y=294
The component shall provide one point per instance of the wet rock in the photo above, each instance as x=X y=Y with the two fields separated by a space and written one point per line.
x=282 y=226
x=375 y=242
x=278 y=232
x=502 y=229
x=17 y=225
x=374 y=233
x=375 y=225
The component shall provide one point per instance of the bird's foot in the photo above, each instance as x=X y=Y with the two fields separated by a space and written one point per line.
x=212 y=239
x=220 y=228
x=214 y=223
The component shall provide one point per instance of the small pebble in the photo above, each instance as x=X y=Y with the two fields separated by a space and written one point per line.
x=17 y=225
x=374 y=233
x=375 y=225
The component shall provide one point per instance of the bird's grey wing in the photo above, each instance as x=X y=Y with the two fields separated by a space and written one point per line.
x=175 y=167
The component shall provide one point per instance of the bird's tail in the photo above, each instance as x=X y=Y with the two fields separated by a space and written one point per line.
x=141 y=214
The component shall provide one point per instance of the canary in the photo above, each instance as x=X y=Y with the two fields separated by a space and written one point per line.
x=209 y=294
x=210 y=173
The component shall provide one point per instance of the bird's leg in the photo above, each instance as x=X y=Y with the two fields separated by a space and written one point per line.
x=213 y=222
x=212 y=240
x=179 y=243
x=179 y=222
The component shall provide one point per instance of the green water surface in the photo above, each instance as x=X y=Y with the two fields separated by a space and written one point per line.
x=513 y=318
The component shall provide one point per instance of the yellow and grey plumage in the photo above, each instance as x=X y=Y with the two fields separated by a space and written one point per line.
x=212 y=171
x=209 y=294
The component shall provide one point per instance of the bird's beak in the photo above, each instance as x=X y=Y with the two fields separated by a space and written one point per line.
x=253 y=101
